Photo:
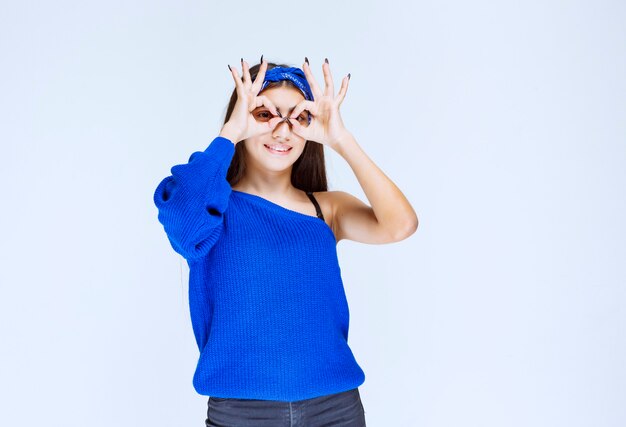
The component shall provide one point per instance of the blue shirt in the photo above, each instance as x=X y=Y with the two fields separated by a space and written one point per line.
x=267 y=302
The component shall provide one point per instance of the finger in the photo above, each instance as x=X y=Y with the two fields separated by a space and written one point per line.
x=315 y=89
x=343 y=89
x=310 y=106
x=265 y=101
x=298 y=129
x=260 y=77
x=328 y=79
x=274 y=121
x=245 y=70
x=238 y=83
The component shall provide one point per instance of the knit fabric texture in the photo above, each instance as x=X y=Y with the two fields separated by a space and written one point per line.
x=266 y=297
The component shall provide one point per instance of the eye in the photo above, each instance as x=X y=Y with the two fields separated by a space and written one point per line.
x=303 y=118
x=263 y=115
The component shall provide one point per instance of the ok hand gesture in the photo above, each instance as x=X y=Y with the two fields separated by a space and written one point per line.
x=241 y=122
x=326 y=126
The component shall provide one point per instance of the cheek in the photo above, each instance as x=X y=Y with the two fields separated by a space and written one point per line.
x=300 y=148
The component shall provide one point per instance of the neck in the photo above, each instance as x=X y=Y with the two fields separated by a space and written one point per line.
x=270 y=183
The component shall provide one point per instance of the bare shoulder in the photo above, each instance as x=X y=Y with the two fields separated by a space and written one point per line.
x=335 y=199
x=348 y=216
x=326 y=200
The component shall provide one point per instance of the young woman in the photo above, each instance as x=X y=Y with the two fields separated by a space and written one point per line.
x=254 y=219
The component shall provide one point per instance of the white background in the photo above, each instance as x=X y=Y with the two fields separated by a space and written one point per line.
x=504 y=123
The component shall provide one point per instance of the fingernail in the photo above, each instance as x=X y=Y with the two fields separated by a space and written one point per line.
x=261 y=59
x=242 y=60
x=229 y=67
x=326 y=59
x=348 y=76
x=306 y=60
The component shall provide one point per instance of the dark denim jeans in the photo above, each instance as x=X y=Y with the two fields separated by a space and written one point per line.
x=343 y=409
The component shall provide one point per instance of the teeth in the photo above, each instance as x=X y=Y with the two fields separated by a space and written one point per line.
x=278 y=147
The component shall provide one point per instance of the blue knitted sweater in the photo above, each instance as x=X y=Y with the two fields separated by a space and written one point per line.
x=267 y=302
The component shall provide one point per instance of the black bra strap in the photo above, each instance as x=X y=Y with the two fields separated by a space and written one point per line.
x=317 y=206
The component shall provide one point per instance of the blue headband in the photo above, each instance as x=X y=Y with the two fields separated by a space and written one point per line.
x=295 y=75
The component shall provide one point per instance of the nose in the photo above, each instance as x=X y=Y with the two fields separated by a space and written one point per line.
x=283 y=128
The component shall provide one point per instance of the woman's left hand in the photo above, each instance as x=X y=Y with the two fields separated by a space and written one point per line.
x=326 y=126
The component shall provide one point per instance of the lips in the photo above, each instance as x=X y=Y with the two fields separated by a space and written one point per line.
x=280 y=149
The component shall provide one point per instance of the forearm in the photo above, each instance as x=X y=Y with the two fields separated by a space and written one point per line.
x=192 y=200
x=392 y=209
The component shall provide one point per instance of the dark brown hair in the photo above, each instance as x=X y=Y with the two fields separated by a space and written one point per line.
x=308 y=172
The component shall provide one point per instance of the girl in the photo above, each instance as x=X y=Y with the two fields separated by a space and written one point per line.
x=254 y=219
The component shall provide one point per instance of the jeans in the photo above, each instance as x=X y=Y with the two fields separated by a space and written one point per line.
x=343 y=409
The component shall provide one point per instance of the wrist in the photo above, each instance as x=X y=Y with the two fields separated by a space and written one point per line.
x=230 y=134
x=342 y=141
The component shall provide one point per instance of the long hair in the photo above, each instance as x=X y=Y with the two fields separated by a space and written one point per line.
x=308 y=173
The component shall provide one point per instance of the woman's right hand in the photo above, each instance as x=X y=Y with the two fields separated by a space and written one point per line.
x=242 y=124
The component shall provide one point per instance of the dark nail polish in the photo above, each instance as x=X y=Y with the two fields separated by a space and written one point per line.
x=261 y=59
x=326 y=59
x=306 y=60
x=229 y=67
x=348 y=76
x=242 y=60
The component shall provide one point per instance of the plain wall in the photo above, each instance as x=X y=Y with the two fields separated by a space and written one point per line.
x=503 y=123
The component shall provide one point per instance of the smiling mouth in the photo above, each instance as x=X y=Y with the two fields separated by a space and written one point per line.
x=279 y=149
